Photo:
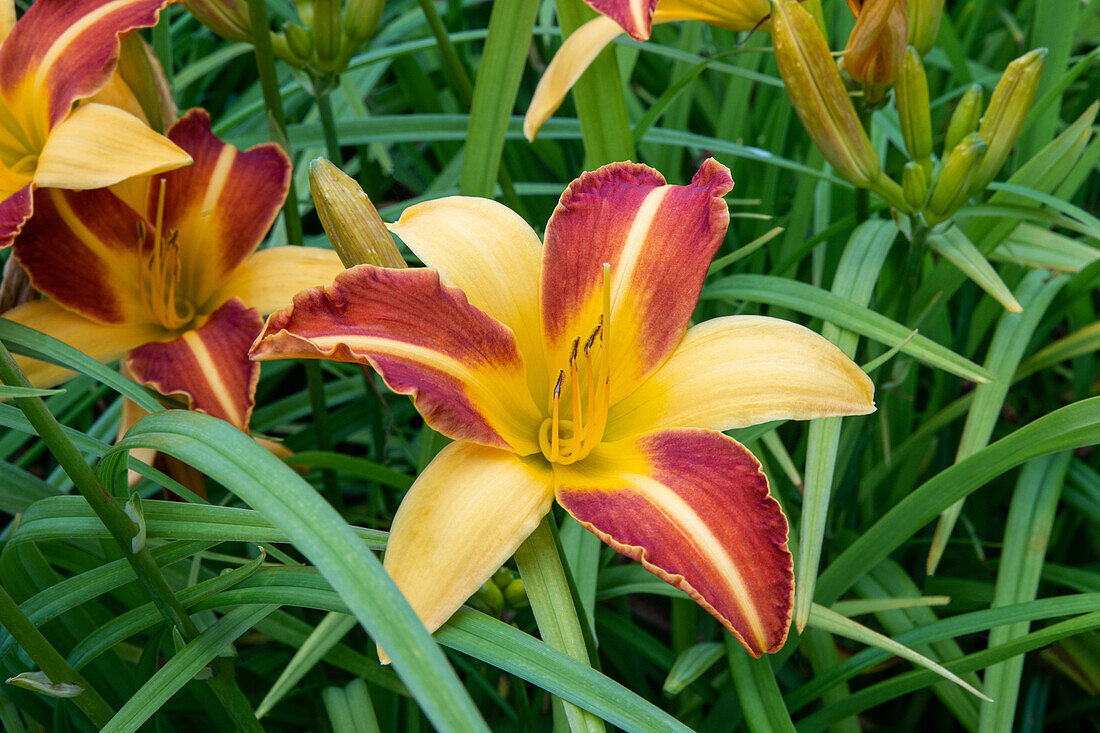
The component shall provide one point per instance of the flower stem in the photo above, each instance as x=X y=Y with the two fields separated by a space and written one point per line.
x=50 y=661
x=328 y=126
x=539 y=562
x=276 y=123
x=457 y=71
x=122 y=529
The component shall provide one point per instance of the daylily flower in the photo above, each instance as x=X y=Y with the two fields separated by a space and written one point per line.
x=637 y=18
x=568 y=371
x=60 y=52
x=876 y=46
x=166 y=271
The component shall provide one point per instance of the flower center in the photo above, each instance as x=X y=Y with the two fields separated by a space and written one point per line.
x=160 y=273
x=588 y=388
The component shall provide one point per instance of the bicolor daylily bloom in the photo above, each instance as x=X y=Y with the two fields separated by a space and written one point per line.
x=637 y=18
x=166 y=271
x=59 y=53
x=568 y=371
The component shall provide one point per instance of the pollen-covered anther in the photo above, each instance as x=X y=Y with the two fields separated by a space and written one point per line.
x=160 y=273
x=567 y=441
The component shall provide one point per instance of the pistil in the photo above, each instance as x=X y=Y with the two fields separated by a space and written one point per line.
x=160 y=273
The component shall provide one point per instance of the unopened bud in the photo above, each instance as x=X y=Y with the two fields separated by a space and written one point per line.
x=964 y=120
x=228 y=18
x=328 y=28
x=818 y=94
x=352 y=223
x=911 y=94
x=299 y=40
x=876 y=46
x=924 y=23
x=488 y=599
x=361 y=19
x=914 y=185
x=953 y=188
x=1008 y=107
x=515 y=594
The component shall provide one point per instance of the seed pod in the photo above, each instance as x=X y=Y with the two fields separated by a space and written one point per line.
x=352 y=223
x=1008 y=107
x=914 y=184
x=964 y=120
x=911 y=94
x=818 y=94
x=953 y=188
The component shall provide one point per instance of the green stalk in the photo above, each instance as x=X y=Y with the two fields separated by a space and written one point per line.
x=547 y=588
x=328 y=126
x=122 y=529
x=455 y=69
x=276 y=123
x=601 y=106
x=50 y=661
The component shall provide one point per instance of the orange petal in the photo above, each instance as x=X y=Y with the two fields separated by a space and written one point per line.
x=462 y=367
x=209 y=365
x=693 y=507
x=83 y=249
x=465 y=515
x=222 y=206
x=61 y=51
x=741 y=370
x=658 y=240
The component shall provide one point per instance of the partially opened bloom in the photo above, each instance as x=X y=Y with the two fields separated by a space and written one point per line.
x=165 y=271
x=568 y=371
x=876 y=46
x=61 y=52
x=635 y=17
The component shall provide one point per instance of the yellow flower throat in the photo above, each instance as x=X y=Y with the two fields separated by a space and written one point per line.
x=568 y=441
x=160 y=274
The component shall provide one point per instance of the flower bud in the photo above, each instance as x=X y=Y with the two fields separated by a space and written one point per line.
x=515 y=594
x=228 y=18
x=914 y=185
x=352 y=223
x=1008 y=107
x=876 y=46
x=818 y=94
x=328 y=28
x=299 y=40
x=964 y=120
x=488 y=599
x=911 y=94
x=924 y=23
x=361 y=19
x=953 y=188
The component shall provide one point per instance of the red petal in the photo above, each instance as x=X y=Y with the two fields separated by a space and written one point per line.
x=14 y=212
x=693 y=506
x=209 y=366
x=635 y=16
x=461 y=366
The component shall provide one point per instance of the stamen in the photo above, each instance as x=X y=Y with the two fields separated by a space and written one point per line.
x=555 y=444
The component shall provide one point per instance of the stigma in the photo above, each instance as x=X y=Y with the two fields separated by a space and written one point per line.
x=160 y=273
x=586 y=381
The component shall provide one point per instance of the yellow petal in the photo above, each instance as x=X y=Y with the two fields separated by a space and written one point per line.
x=7 y=18
x=490 y=253
x=736 y=15
x=98 y=145
x=269 y=279
x=742 y=370
x=466 y=514
x=104 y=343
x=578 y=51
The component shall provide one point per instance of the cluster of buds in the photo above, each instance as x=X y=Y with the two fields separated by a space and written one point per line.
x=502 y=591
x=324 y=40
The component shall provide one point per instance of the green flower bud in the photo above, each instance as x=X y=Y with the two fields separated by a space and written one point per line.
x=515 y=594
x=914 y=185
x=352 y=223
x=964 y=120
x=818 y=94
x=1008 y=107
x=361 y=19
x=327 y=33
x=228 y=18
x=503 y=577
x=924 y=23
x=299 y=40
x=911 y=94
x=488 y=599
x=953 y=188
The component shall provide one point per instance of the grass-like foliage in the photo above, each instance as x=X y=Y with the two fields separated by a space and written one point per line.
x=931 y=212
